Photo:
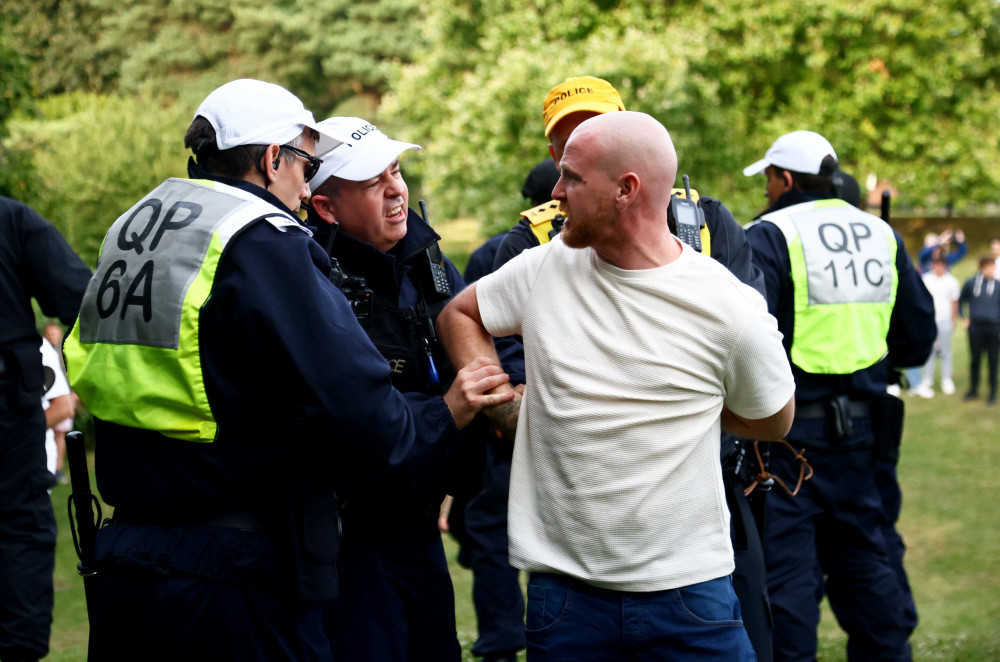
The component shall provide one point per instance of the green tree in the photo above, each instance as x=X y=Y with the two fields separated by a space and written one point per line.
x=324 y=50
x=17 y=178
x=904 y=89
x=63 y=40
x=98 y=155
x=474 y=99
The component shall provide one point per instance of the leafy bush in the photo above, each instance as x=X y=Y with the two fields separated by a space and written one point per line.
x=97 y=155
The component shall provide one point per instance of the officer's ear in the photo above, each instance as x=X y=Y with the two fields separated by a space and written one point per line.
x=789 y=182
x=323 y=207
x=269 y=162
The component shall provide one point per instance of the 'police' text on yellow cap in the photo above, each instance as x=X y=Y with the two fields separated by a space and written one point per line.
x=577 y=94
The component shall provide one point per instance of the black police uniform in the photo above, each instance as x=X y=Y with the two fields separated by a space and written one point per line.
x=227 y=550
x=397 y=600
x=35 y=262
x=836 y=524
x=499 y=608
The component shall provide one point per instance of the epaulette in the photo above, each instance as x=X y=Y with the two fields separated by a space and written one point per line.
x=546 y=220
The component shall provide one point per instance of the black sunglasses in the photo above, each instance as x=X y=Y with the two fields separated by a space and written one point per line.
x=314 y=161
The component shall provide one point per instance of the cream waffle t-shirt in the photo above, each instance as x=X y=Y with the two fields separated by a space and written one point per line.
x=616 y=477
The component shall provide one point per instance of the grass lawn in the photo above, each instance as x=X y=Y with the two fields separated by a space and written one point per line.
x=950 y=474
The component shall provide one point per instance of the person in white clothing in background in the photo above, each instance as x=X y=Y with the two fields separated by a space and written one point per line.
x=56 y=402
x=944 y=288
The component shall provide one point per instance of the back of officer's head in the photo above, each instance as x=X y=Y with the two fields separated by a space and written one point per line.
x=540 y=181
x=806 y=155
x=237 y=119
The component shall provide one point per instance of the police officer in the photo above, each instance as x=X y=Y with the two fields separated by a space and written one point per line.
x=566 y=106
x=35 y=263
x=232 y=390
x=396 y=599
x=848 y=302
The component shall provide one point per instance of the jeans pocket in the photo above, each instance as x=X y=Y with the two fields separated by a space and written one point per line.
x=710 y=603
x=548 y=602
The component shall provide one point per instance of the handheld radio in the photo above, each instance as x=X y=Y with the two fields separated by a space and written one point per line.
x=688 y=217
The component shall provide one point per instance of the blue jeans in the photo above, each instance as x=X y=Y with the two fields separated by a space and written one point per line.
x=569 y=620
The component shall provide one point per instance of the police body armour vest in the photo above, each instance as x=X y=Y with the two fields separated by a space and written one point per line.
x=843 y=268
x=133 y=354
x=546 y=220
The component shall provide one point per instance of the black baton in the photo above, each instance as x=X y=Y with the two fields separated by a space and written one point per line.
x=84 y=512
x=886 y=205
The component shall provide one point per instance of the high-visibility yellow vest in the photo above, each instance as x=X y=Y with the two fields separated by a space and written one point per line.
x=843 y=269
x=543 y=217
x=133 y=354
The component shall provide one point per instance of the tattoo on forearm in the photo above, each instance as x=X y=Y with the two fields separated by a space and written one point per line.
x=504 y=416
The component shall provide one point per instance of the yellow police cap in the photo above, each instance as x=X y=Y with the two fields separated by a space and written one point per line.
x=577 y=94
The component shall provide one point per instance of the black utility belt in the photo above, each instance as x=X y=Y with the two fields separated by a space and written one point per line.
x=819 y=411
x=243 y=520
x=838 y=411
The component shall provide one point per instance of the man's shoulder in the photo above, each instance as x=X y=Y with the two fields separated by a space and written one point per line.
x=716 y=280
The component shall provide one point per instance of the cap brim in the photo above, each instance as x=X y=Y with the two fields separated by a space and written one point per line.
x=328 y=140
x=591 y=106
x=755 y=168
x=373 y=160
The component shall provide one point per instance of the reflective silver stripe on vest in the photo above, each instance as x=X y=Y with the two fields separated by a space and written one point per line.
x=147 y=263
x=846 y=254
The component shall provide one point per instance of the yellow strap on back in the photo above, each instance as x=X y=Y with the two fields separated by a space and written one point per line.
x=541 y=218
x=680 y=193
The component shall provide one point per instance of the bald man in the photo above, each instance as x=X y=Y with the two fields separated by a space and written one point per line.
x=638 y=352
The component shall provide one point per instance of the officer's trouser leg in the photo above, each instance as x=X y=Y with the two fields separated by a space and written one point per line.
x=27 y=537
x=496 y=592
x=864 y=591
x=793 y=576
x=396 y=599
x=892 y=502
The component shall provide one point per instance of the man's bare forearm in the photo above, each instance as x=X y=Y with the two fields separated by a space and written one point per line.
x=504 y=417
x=462 y=332
x=464 y=337
x=765 y=429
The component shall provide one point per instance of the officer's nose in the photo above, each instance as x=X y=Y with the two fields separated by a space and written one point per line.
x=396 y=187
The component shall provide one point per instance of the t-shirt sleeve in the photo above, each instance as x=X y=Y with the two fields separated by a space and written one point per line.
x=502 y=294
x=758 y=379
